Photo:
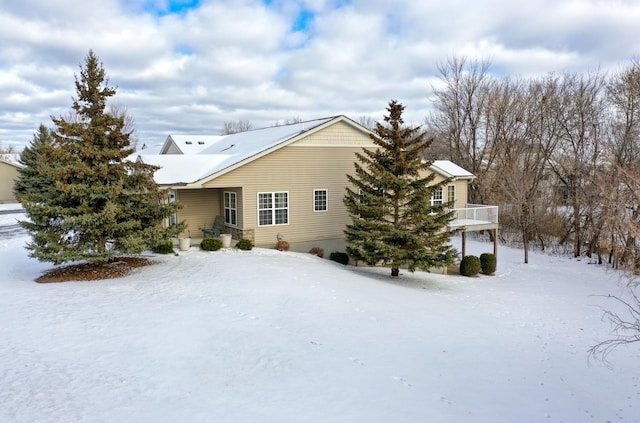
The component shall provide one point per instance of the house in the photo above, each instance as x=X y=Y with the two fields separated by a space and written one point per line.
x=9 y=165
x=283 y=182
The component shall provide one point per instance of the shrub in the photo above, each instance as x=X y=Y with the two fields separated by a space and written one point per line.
x=282 y=246
x=317 y=251
x=487 y=263
x=164 y=247
x=211 y=244
x=339 y=257
x=469 y=266
x=244 y=244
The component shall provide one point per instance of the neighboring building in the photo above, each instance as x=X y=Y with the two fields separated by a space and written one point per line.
x=9 y=165
x=280 y=182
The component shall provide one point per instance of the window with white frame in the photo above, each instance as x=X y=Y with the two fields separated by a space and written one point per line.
x=436 y=197
x=230 y=208
x=320 y=200
x=451 y=195
x=273 y=208
x=173 y=219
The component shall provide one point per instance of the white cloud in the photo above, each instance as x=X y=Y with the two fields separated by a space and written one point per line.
x=240 y=59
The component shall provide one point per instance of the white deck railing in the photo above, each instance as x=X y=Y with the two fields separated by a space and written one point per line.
x=475 y=214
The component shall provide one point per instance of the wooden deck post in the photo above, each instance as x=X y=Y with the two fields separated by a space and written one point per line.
x=464 y=243
x=495 y=245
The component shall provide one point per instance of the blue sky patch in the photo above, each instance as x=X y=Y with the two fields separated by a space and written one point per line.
x=170 y=7
x=304 y=19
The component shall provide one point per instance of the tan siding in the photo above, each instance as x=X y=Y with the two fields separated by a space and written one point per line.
x=8 y=174
x=339 y=134
x=297 y=171
x=312 y=163
x=200 y=208
x=461 y=190
x=320 y=161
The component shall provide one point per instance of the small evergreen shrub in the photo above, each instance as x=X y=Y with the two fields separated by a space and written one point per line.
x=339 y=257
x=210 y=244
x=282 y=246
x=317 y=251
x=469 y=266
x=164 y=247
x=244 y=244
x=487 y=263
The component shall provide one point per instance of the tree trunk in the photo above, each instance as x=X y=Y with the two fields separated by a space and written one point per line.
x=525 y=242
x=395 y=271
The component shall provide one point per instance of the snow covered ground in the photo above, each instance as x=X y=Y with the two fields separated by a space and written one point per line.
x=265 y=336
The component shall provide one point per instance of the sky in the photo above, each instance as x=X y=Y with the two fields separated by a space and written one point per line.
x=188 y=66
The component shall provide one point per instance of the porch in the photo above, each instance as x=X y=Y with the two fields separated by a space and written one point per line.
x=476 y=217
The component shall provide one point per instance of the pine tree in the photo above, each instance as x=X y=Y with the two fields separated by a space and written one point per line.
x=34 y=184
x=85 y=200
x=393 y=220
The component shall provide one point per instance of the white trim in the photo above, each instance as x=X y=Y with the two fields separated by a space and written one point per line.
x=231 y=209
x=437 y=200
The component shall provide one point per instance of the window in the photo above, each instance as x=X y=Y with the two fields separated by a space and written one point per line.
x=230 y=208
x=451 y=195
x=436 y=197
x=173 y=219
x=273 y=208
x=320 y=202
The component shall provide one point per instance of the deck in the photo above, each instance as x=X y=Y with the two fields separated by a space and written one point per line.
x=475 y=217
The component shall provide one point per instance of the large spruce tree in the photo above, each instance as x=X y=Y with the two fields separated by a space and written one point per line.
x=84 y=199
x=394 y=222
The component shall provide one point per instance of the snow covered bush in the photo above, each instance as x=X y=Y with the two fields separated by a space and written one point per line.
x=487 y=263
x=469 y=266
x=317 y=251
x=210 y=244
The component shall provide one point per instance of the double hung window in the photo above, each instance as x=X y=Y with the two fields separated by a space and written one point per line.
x=320 y=200
x=230 y=208
x=273 y=208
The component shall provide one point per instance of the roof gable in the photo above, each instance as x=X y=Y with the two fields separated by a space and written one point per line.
x=188 y=144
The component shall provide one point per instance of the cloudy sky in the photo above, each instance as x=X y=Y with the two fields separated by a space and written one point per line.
x=187 y=66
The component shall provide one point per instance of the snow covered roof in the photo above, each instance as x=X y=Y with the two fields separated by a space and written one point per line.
x=450 y=170
x=191 y=159
x=11 y=158
x=176 y=169
x=191 y=144
x=206 y=155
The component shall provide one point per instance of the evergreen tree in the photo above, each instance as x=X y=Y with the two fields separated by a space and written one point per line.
x=35 y=184
x=85 y=200
x=393 y=220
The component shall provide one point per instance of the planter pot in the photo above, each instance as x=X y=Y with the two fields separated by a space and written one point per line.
x=184 y=244
x=226 y=240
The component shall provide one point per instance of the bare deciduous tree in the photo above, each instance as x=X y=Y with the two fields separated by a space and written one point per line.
x=625 y=326
x=368 y=122
x=118 y=110
x=525 y=124
x=236 y=126
x=576 y=159
x=460 y=117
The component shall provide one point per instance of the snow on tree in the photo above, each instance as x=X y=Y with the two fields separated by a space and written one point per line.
x=85 y=200
x=394 y=221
